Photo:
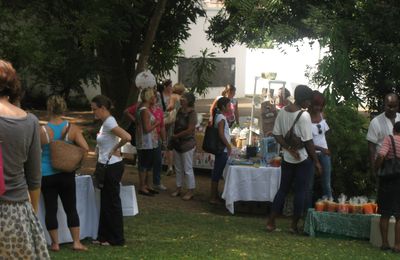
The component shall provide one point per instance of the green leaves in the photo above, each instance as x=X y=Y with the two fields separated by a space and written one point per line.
x=362 y=38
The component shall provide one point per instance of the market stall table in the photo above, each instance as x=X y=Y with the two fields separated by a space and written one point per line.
x=352 y=225
x=87 y=211
x=246 y=183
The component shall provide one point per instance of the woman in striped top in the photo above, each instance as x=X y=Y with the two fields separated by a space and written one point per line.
x=389 y=191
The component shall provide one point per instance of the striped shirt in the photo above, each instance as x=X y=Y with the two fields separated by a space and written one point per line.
x=387 y=148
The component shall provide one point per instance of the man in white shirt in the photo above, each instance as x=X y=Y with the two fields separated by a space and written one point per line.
x=382 y=125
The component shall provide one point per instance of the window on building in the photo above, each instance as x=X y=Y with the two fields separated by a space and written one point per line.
x=224 y=72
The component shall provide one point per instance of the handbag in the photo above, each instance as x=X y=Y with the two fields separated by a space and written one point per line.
x=65 y=156
x=170 y=117
x=291 y=138
x=99 y=174
x=391 y=167
x=2 y=183
x=212 y=143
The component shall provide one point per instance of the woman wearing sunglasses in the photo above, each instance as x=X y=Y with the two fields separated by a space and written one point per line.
x=319 y=129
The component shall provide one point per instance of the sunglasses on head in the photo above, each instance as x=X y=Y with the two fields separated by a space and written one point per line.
x=319 y=129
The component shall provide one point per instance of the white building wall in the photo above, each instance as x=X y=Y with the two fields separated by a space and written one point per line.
x=198 y=41
x=289 y=62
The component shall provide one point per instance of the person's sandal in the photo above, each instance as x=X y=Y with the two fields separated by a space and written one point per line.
x=396 y=250
x=271 y=228
x=153 y=191
x=188 y=197
x=176 y=193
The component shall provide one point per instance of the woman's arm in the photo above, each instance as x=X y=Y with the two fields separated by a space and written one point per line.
x=123 y=135
x=237 y=113
x=147 y=126
x=129 y=115
x=172 y=100
x=78 y=138
x=34 y=196
x=221 y=133
x=43 y=137
x=214 y=104
x=32 y=169
x=311 y=152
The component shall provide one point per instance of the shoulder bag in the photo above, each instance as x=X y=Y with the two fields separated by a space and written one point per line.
x=291 y=138
x=212 y=143
x=64 y=156
x=391 y=167
x=99 y=174
x=170 y=117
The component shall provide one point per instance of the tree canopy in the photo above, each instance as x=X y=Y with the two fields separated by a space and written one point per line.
x=362 y=38
x=64 y=43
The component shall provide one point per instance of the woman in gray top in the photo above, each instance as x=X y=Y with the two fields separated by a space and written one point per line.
x=20 y=143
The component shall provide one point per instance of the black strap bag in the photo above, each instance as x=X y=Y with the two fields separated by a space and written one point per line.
x=212 y=143
x=99 y=174
x=291 y=138
x=391 y=167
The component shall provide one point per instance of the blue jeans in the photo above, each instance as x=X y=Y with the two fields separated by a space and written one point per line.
x=157 y=166
x=219 y=165
x=325 y=161
x=299 y=174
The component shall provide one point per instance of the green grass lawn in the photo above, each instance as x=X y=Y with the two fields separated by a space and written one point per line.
x=176 y=234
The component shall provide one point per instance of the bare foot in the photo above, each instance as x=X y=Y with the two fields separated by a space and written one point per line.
x=55 y=247
x=79 y=247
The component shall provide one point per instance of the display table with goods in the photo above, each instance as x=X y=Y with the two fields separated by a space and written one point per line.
x=249 y=183
x=88 y=207
x=344 y=219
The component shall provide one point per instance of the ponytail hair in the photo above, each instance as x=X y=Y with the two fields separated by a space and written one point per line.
x=228 y=88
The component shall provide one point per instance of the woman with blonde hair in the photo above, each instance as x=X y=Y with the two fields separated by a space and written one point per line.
x=147 y=139
x=174 y=104
x=20 y=231
x=110 y=139
x=56 y=183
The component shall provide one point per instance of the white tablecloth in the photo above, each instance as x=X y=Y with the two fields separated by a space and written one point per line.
x=244 y=183
x=128 y=200
x=88 y=207
x=87 y=211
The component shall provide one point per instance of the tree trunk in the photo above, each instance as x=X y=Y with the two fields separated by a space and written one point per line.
x=146 y=49
x=114 y=81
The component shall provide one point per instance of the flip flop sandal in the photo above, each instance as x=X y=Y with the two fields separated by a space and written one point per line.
x=153 y=191
x=271 y=228
x=145 y=193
